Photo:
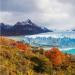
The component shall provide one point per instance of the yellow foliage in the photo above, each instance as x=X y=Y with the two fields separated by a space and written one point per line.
x=15 y=62
x=30 y=72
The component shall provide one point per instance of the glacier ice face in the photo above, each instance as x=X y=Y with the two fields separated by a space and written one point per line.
x=64 y=41
x=54 y=35
x=61 y=40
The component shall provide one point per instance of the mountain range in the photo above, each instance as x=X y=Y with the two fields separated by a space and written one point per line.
x=73 y=30
x=22 y=28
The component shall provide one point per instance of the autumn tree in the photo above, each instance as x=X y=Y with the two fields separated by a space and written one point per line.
x=55 y=55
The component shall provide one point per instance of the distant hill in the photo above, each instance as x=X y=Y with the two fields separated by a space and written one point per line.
x=22 y=28
x=73 y=30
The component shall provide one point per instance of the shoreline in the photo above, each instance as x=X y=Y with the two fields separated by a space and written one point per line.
x=64 y=50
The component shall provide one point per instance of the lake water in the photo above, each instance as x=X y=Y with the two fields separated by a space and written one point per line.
x=65 y=41
x=70 y=51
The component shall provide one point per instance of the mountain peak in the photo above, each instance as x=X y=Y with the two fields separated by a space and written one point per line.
x=18 y=23
x=24 y=28
x=28 y=21
x=2 y=24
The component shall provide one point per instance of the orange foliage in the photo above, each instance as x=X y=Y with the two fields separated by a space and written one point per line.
x=6 y=41
x=21 y=46
x=55 y=55
x=24 y=47
x=10 y=42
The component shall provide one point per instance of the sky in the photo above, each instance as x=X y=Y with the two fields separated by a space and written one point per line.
x=53 y=14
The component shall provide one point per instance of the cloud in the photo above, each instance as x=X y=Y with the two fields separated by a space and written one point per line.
x=18 y=6
x=59 y=14
x=68 y=1
x=71 y=4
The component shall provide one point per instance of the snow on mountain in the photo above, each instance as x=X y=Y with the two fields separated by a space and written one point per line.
x=23 y=28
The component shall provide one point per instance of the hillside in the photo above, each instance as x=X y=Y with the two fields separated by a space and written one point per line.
x=17 y=58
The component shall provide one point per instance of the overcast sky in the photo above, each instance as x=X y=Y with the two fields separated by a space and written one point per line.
x=54 y=14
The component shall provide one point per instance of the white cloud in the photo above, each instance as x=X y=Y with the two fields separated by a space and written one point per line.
x=5 y=16
x=51 y=13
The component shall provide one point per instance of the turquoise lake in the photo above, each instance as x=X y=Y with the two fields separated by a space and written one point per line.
x=71 y=51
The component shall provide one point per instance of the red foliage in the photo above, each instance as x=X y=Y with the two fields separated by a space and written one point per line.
x=55 y=55
x=21 y=46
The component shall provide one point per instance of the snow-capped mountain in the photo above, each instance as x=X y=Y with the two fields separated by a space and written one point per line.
x=22 y=28
x=73 y=30
x=5 y=26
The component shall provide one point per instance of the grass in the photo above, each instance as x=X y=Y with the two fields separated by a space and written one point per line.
x=14 y=61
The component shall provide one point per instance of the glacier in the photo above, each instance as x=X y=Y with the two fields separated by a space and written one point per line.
x=62 y=40
x=52 y=39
